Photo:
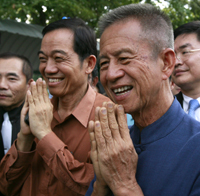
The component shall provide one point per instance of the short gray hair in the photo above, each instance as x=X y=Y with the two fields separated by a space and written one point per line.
x=156 y=26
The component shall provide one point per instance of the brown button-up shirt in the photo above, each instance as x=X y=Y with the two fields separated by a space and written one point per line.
x=60 y=164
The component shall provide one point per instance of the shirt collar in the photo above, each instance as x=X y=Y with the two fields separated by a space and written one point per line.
x=160 y=128
x=186 y=101
x=82 y=110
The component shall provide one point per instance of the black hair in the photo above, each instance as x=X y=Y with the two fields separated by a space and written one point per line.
x=84 y=36
x=190 y=27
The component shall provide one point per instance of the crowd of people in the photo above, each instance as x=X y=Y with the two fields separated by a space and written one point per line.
x=79 y=142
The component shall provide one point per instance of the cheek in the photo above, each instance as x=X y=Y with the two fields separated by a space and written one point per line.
x=42 y=68
x=103 y=78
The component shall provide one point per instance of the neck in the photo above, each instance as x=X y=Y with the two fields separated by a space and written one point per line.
x=157 y=108
x=68 y=103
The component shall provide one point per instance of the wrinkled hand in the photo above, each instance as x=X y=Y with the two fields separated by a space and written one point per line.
x=115 y=158
x=40 y=109
x=100 y=186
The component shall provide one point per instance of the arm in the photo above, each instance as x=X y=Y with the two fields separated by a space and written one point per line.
x=14 y=169
x=15 y=166
x=116 y=156
x=74 y=174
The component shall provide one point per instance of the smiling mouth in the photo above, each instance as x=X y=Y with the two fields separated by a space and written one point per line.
x=122 y=90
x=51 y=80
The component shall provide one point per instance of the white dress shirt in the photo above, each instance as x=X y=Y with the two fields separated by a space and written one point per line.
x=6 y=132
x=186 y=101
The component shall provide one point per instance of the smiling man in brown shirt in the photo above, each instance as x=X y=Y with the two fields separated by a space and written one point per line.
x=51 y=157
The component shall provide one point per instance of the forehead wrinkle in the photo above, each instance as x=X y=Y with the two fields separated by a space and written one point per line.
x=118 y=53
x=58 y=51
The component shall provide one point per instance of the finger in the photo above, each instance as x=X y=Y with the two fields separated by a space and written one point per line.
x=92 y=140
x=100 y=141
x=46 y=95
x=113 y=124
x=26 y=100
x=123 y=127
x=104 y=104
x=29 y=98
x=105 y=126
x=39 y=87
x=25 y=107
x=97 y=113
x=91 y=130
x=34 y=92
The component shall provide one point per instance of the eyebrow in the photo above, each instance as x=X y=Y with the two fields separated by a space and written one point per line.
x=53 y=52
x=185 y=46
x=12 y=74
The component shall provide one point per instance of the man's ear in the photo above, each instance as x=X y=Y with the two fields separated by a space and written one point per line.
x=91 y=62
x=29 y=82
x=169 y=59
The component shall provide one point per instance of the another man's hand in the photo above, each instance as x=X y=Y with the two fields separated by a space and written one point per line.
x=25 y=137
x=40 y=109
x=115 y=160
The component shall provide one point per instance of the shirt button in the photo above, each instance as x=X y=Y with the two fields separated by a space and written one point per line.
x=138 y=150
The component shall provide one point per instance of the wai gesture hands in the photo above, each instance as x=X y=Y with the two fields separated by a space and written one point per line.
x=113 y=154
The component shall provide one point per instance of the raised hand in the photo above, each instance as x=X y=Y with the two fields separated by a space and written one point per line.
x=40 y=109
x=116 y=155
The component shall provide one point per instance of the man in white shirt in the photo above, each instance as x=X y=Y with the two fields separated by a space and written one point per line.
x=15 y=77
x=186 y=73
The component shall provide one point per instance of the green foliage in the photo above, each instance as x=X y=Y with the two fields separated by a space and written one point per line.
x=42 y=12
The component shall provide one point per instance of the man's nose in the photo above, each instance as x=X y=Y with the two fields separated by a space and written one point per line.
x=114 y=72
x=178 y=61
x=51 y=67
x=3 y=83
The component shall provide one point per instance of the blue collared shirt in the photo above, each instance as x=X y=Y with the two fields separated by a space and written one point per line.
x=168 y=155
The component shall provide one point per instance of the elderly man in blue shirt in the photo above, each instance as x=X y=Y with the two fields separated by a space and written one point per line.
x=160 y=155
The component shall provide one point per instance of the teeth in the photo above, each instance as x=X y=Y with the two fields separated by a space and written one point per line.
x=54 y=80
x=118 y=90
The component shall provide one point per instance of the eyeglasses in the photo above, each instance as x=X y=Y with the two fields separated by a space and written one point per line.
x=185 y=54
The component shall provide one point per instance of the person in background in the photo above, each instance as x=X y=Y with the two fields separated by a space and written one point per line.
x=186 y=73
x=15 y=78
x=51 y=155
x=93 y=80
x=160 y=153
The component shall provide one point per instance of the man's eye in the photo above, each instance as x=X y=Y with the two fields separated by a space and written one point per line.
x=59 y=59
x=42 y=60
x=185 y=52
x=124 y=60
x=12 y=79
x=104 y=65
